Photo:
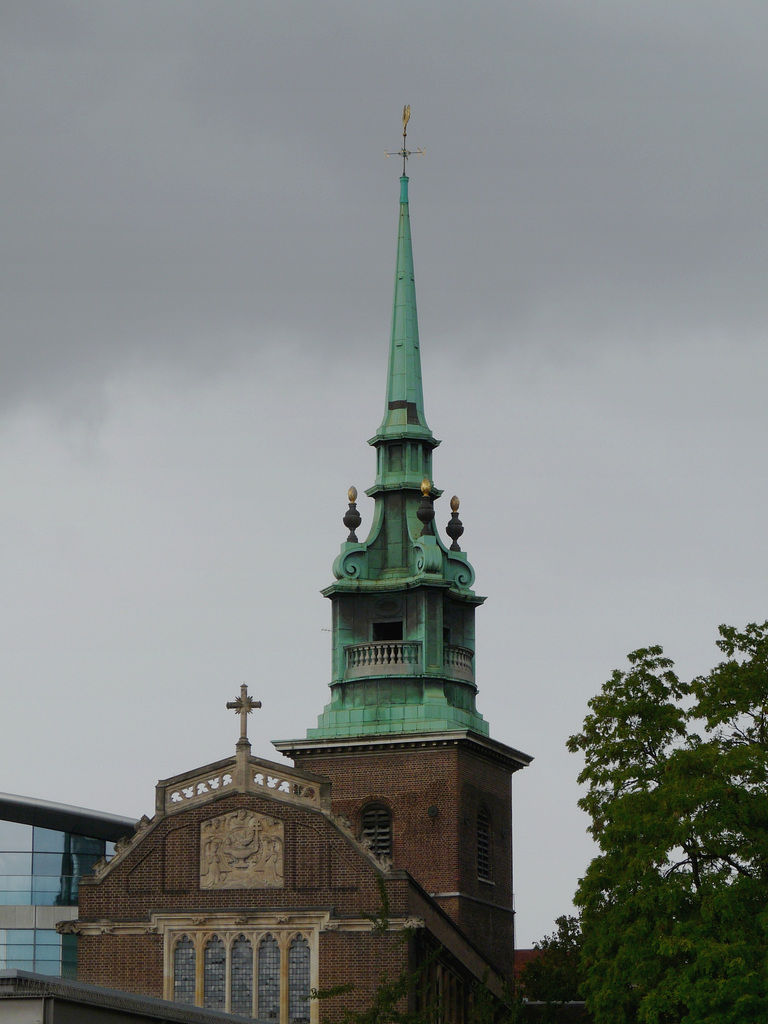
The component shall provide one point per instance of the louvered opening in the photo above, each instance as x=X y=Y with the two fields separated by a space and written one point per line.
x=377 y=829
x=484 y=844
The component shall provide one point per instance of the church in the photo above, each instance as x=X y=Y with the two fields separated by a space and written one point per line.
x=382 y=843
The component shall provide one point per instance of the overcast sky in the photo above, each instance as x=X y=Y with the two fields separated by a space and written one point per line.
x=196 y=266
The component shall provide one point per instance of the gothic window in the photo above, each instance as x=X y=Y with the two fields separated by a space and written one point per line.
x=241 y=977
x=298 y=981
x=269 y=979
x=266 y=975
x=184 y=971
x=214 y=975
x=377 y=829
x=484 y=844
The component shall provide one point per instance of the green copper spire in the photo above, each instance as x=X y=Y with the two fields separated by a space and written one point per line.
x=404 y=410
x=403 y=637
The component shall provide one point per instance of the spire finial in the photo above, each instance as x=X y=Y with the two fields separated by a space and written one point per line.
x=405 y=152
x=404 y=411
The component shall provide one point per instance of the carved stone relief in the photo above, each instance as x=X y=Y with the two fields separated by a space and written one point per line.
x=241 y=850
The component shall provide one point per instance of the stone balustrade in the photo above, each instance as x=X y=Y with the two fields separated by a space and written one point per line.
x=383 y=657
x=403 y=657
x=459 y=661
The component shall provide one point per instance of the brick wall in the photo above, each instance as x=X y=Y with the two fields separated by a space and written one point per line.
x=439 y=850
x=161 y=875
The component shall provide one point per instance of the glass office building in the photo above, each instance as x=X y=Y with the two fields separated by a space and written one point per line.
x=45 y=849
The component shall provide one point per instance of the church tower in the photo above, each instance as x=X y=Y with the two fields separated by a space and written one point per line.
x=411 y=762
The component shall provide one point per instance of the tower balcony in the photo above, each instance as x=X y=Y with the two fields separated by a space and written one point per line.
x=460 y=662
x=383 y=657
x=404 y=658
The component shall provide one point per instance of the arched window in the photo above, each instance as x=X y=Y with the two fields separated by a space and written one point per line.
x=269 y=979
x=184 y=971
x=484 y=860
x=241 y=977
x=214 y=974
x=377 y=829
x=298 y=981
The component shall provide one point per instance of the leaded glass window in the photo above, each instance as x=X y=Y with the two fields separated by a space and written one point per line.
x=247 y=972
x=241 y=977
x=184 y=971
x=269 y=979
x=298 y=981
x=214 y=974
x=377 y=829
x=483 y=844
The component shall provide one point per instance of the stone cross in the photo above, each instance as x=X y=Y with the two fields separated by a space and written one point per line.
x=244 y=705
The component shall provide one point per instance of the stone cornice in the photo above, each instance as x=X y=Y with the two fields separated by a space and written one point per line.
x=321 y=919
x=493 y=750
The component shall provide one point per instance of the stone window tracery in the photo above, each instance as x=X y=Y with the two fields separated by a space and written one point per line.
x=265 y=974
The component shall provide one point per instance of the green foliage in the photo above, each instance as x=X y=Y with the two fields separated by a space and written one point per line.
x=389 y=1000
x=555 y=975
x=675 y=907
x=380 y=918
x=385 y=1006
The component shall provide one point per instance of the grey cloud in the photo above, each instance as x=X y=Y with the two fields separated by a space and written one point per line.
x=181 y=180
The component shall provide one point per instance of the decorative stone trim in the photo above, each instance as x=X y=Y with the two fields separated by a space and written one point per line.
x=249 y=775
x=295 y=922
x=241 y=850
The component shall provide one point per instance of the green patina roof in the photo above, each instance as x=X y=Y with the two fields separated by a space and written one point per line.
x=404 y=410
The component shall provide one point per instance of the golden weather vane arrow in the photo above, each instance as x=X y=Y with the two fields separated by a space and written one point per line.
x=405 y=153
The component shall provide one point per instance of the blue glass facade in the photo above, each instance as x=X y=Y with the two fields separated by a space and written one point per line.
x=41 y=950
x=41 y=867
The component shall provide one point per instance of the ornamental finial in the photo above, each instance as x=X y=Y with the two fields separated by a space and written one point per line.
x=455 y=527
x=244 y=705
x=352 y=517
x=426 y=512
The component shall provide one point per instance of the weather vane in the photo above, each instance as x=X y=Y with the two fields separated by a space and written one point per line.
x=405 y=153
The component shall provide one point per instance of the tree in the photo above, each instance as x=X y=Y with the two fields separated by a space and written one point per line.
x=555 y=975
x=675 y=907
